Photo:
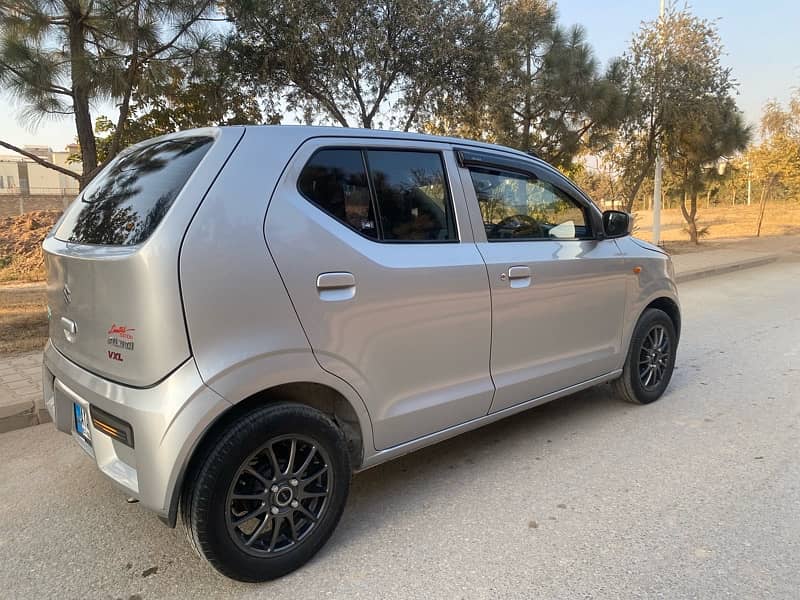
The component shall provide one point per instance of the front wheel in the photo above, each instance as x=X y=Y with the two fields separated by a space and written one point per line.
x=651 y=359
x=269 y=492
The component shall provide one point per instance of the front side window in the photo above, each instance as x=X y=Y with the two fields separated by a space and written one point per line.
x=516 y=207
x=387 y=195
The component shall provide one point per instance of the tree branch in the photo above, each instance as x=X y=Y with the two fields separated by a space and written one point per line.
x=328 y=104
x=53 y=89
x=183 y=29
x=418 y=102
x=41 y=161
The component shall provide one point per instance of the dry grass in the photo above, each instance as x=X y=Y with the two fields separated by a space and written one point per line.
x=724 y=222
x=23 y=319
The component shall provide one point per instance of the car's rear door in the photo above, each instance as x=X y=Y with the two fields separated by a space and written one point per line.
x=113 y=293
x=373 y=242
x=558 y=289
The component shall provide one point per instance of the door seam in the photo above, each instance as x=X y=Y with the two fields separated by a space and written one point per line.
x=488 y=279
x=289 y=296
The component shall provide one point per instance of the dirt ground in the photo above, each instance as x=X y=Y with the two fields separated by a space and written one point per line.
x=23 y=319
x=21 y=239
x=9 y=207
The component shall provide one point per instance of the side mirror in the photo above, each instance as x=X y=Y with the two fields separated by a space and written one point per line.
x=617 y=223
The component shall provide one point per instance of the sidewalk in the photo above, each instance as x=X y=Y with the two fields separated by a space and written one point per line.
x=717 y=262
x=21 y=392
x=20 y=376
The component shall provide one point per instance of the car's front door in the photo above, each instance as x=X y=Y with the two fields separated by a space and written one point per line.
x=373 y=242
x=558 y=289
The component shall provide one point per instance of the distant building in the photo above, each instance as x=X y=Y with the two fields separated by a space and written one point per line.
x=40 y=151
x=23 y=176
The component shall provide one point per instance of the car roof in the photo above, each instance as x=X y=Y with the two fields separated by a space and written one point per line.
x=311 y=131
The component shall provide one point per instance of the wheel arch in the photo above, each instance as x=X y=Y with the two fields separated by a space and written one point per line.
x=320 y=396
x=662 y=300
x=670 y=307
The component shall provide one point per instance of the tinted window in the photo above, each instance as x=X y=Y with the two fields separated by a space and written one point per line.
x=336 y=181
x=127 y=200
x=517 y=207
x=412 y=195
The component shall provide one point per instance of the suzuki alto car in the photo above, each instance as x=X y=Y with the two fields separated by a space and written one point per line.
x=242 y=317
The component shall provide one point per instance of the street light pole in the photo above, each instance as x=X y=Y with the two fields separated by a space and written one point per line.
x=657 y=180
x=657 y=202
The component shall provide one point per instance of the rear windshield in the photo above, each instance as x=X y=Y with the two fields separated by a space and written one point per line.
x=127 y=200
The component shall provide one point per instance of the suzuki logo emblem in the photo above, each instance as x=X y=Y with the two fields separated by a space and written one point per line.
x=67 y=294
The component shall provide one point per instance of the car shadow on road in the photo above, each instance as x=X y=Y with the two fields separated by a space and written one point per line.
x=429 y=476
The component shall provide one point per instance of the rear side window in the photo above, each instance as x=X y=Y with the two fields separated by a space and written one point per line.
x=336 y=181
x=386 y=195
x=127 y=200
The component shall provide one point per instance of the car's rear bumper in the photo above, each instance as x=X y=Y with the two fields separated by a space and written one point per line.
x=167 y=419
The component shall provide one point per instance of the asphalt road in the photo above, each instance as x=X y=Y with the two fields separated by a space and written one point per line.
x=695 y=496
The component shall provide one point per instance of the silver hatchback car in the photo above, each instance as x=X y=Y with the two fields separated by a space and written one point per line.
x=242 y=317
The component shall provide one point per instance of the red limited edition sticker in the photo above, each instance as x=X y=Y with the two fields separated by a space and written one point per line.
x=120 y=336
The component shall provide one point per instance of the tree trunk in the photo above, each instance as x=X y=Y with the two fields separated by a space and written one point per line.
x=693 y=219
x=79 y=66
x=638 y=184
x=692 y=227
x=690 y=216
x=764 y=194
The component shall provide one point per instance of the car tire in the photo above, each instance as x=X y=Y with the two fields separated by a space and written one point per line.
x=288 y=466
x=650 y=360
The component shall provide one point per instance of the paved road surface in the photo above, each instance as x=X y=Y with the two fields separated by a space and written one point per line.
x=696 y=496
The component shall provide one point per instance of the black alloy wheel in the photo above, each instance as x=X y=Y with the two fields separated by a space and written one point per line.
x=650 y=359
x=268 y=492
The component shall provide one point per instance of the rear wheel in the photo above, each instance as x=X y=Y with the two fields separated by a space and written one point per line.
x=268 y=493
x=651 y=359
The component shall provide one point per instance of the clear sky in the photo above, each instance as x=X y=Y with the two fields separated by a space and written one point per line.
x=761 y=38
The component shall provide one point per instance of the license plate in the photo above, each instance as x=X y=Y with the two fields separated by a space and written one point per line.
x=82 y=422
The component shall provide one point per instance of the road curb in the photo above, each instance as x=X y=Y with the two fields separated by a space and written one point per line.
x=17 y=415
x=22 y=414
x=725 y=268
